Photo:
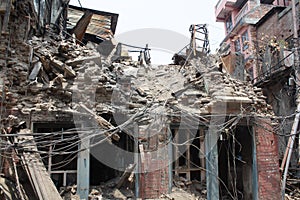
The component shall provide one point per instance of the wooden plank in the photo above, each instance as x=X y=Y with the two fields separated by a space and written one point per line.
x=6 y=17
x=42 y=183
x=176 y=152
x=141 y=147
x=125 y=175
x=80 y=60
x=234 y=99
x=188 y=157
x=102 y=123
x=56 y=15
x=69 y=72
x=81 y=26
x=202 y=153
x=58 y=64
x=35 y=71
x=3 y=5
x=136 y=160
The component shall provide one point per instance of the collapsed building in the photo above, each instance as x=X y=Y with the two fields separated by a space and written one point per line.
x=127 y=124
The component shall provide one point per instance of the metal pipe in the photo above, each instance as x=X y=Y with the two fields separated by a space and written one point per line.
x=296 y=121
x=289 y=148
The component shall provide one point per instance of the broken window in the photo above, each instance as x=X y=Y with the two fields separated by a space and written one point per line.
x=58 y=149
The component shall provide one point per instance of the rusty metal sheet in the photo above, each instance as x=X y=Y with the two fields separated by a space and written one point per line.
x=101 y=25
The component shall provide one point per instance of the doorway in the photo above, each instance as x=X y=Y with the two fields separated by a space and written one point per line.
x=235 y=164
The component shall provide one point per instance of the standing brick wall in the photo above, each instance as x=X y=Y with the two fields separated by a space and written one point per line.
x=154 y=177
x=267 y=161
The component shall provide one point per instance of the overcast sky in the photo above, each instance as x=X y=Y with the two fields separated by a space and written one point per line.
x=168 y=18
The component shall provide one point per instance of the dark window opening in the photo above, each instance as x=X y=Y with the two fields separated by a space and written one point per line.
x=245 y=40
x=105 y=154
x=228 y=24
x=237 y=45
x=58 y=146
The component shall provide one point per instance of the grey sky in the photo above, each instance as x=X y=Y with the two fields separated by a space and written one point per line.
x=171 y=15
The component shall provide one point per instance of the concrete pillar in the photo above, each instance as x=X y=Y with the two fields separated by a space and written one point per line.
x=212 y=172
x=83 y=169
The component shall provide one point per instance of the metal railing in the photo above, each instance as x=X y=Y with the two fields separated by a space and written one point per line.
x=271 y=71
x=242 y=12
x=218 y=4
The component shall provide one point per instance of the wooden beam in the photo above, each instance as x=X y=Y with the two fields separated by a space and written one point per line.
x=102 y=122
x=35 y=168
x=6 y=17
x=202 y=153
x=136 y=160
x=35 y=71
x=176 y=156
x=188 y=156
x=125 y=175
x=80 y=60
x=81 y=26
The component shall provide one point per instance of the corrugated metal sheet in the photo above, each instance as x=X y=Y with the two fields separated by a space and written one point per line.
x=101 y=25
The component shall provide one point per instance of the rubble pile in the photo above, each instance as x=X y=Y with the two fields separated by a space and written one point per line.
x=206 y=86
x=62 y=74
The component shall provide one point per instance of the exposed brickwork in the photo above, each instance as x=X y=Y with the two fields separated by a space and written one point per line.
x=154 y=179
x=282 y=31
x=267 y=161
x=154 y=183
x=14 y=58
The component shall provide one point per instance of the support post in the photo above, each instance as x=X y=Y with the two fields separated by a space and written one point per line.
x=170 y=151
x=6 y=17
x=212 y=170
x=176 y=153
x=136 y=161
x=188 y=157
x=254 y=168
x=83 y=168
x=289 y=149
x=202 y=153
x=292 y=138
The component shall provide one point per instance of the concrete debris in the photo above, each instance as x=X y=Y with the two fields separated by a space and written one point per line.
x=107 y=190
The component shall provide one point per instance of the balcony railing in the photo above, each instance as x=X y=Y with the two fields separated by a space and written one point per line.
x=225 y=2
x=218 y=4
x=242 y=12
x=269 y=73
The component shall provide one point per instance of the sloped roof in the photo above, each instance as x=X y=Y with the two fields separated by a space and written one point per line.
x=103 y=24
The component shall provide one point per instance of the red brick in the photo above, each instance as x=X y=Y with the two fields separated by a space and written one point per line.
x=267 y=161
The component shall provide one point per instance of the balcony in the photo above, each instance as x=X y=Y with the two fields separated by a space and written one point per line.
x=224 y=7
x=247 y=7
x=268 y=73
